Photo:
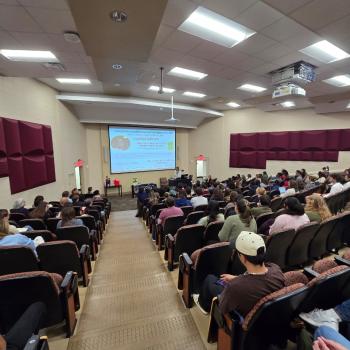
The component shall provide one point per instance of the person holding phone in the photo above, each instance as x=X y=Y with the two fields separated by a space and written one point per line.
x=241 y=293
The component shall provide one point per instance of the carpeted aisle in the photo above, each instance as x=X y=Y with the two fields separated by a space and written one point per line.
x=131 y=302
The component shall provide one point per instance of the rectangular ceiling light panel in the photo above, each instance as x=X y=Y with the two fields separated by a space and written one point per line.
x=339 y=80
x=325 y=51
x=187 y=73
x=81 y=81
x=29 y=55
x=194 y=94
x=251 y=88
x=165 y=89
x=213 y=27
x=233 y=104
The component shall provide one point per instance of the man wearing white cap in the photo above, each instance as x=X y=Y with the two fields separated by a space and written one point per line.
x=241 y=293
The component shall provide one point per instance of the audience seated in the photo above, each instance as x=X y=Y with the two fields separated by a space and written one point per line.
x=213 y=214
x=293 y=217
x=291 y=190
x=240 y=293
x=199 y=199
x=235 y=224
x=37 y=200
x=217 y=195
x=263 y=206
x=12 y=239
x=335 y=181
x=316 y=208
x=182 y=201
x=170 y=210
x=19 y=207
x=41 y=211
x=68 y=218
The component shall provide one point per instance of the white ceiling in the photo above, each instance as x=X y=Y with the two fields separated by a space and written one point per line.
x=283 y=28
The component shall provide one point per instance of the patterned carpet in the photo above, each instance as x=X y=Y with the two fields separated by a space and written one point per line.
x=123 y=203
x=132 y=302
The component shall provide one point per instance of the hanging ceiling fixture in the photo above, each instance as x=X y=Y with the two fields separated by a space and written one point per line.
x=172 y=119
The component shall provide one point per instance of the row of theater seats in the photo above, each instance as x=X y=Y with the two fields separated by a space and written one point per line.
x=272 y=320
x=323 y=286
x=53 y=276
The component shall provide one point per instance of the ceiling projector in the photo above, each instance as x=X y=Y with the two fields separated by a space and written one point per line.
x=289 y=79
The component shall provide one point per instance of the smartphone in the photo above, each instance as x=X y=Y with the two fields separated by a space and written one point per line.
x=221 y=283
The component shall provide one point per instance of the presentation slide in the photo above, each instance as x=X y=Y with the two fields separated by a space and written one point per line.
x=135 y=149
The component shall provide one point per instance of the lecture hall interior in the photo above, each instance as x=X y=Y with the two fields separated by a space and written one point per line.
x=174 y=174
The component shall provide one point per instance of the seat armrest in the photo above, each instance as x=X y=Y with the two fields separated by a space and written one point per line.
x=170 y=240
x=309 y=272
x=186 y=260
x=84 y=250
x=68 y=280
x=341 y=261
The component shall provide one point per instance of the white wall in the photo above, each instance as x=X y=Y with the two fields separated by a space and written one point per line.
x=29 y=100
x=212 y=139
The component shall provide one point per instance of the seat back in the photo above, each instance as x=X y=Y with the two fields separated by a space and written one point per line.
x=17 y=217
x=235 y=266
x=186 y=210
x=202 y=207
x=277 y=246
x=318 y=245
x=51 y=224
x=327 y=290
x=212 y=260
x=188 y=239
x=45 y=234
x=89 y=221
x=59 y=257
x=155 y=207
x=211 y=232
x=172 y=224
x=77 y=234
x=95 y=214
x=298 y=252
x=339 y=234
x=20 y=290
x=15 y=259
x=262 y=218
x=37 y=224
x=194 y=217
x=261 y=328
x=276 y=203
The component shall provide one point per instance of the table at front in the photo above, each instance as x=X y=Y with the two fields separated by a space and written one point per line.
x=119 y=188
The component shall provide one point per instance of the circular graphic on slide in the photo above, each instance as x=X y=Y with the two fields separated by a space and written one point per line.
x=120 y=142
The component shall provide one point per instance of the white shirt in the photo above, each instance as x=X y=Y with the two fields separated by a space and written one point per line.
x=336 y=188
x=199 y=200
x=346 y=186
x=289 y=192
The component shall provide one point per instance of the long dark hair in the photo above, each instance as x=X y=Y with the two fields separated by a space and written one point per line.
x=39 y=212
x=213 y=210
x=244 y=212
x=293 y=207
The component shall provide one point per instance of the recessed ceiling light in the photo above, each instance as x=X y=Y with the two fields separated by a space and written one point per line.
x=82 y=81
x=288 y=104
x=348 y=106
x=194 y=94
x=251 y=88
x=117 y=66
x=187 y=73
x=325 y=51
x=157 y=88
x=233 y=104
x=116 y=84
x=339 y=80
x=29 y=55
x=213 y=27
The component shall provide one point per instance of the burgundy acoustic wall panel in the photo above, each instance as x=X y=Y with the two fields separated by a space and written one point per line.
x=26 y=154
x=251 y=150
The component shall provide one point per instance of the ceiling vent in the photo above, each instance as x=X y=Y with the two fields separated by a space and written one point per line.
x=54 y=66
x=118 y=16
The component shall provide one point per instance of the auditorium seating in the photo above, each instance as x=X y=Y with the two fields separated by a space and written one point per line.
x=36 y=224
x=63 y=256
x=211 y=233
x=171 y=225
x=187 y=239
x=80 y=235
x=45 y=234
x=60 y=295
x=194 y=217
x=212 y=259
